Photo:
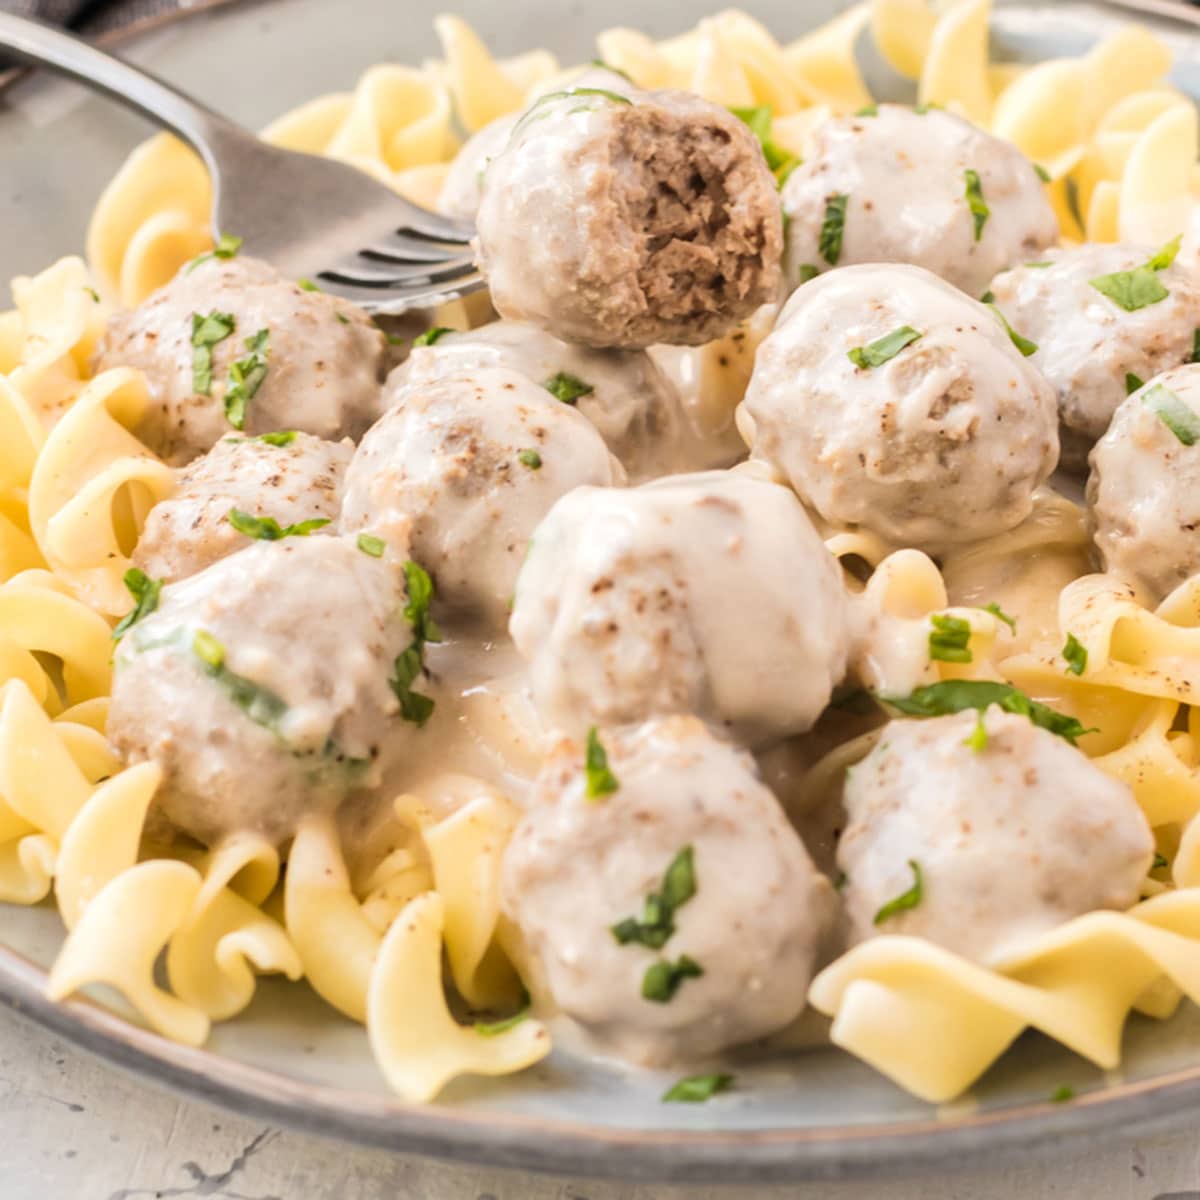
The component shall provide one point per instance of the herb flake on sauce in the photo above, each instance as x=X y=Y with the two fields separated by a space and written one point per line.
x=906 y=900
x=884 y=349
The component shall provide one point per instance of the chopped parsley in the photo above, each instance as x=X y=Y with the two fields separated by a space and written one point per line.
x=246 y=376
x=368 y=543
x=263 y=706
x=949 y=639
x=657 y=922
x=409 y=664
x=208 y=650
x=342 y=318
x=1141 y=286
x=1001 y=615
x=307 y=285
x=531 y=459
x=977 y=739
x=145 y=592
x=664 y=978
x=496 y=1028
x=975 y=201
x=1160 y=861
x=430 y=336
x=227 y=247
x=207 y=331
x=1195 y=358
x=868 y=110
x=1062 y=1094
x=95 y=295
x=267 y=529
x=1132 y=383
x=1076 y=655
x=566 y=387
x=599 y=62
x=957 y=695
x=1042 y=173
x=927 y=106
x=695 y=1089
x=906 y=900
x=282 y=437
x=1174 y=413
x=829 y=242
x=988 y=297
x=807 y=272
x=883 y=349
x=781 y=162
x=1023 y=344
x=1039 y=266
x=599 y=780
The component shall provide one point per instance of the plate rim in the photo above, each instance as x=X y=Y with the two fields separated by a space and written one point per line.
x=562 y=1147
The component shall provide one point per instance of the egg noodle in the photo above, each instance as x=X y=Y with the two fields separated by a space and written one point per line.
x=1120 y=147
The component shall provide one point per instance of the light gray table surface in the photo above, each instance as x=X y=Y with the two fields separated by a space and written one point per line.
x=74 y=1128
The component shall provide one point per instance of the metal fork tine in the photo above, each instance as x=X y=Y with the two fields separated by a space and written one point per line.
x=433 y=225
x=384 y=275
x=404 y=298
x=403 y=249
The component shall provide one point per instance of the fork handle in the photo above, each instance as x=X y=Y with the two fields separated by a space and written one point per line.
x=41 y=45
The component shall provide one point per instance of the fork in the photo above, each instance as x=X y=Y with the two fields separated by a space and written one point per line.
x=310 y=217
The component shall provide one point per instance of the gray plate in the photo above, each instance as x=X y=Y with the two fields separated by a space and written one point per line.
x=291 y=1059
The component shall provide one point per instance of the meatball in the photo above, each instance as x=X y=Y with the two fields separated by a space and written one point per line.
x=260 y=686
x=994 y=836
x=709 y=594
x=622 y=392
x=747 y=911
x=289 y=478
x=473 y=461
x=1088 y=344
x=620 y=220
x=1144 y=490
x=463 y=184
x=230 y=346
x=892 y=401
x=910 y=187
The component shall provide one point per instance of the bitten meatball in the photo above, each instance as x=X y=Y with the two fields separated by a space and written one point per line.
x=473 y=461
x=1010 y=830
x=622 y=392
x=909 y=187
x=729 y=955
x=891 y=400
x=709 y=594
x=1089 y=344
x=620 y=220
x=260 y=685
x=290 y=478
x=229 y=346
x=1144 y=489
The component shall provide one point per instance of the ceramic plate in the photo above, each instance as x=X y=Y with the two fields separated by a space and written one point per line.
x=291 y=1059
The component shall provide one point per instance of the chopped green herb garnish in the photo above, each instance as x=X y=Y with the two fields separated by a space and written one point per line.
x=1061 y=1095
x=600 y=781
x=759 y=121
x=868 y=110
x=949 y=640
x=883 y=349
x=246 y=376
x=1039 y=266
x=263 y=706
x=208 y=650
x=975 y=201
x=1132 y=383
x=1075 y=652
x=1195 y=346
x=430 y=336
x=1141 y=286
x=207 y=331
x=227 y=247
x=1001 y=615
x=531 y=459
x=906 y=900
x=695 y=1089
x=410 y=663
x=927 y=106
x=829 y=242
x=1042 y=173
x=267 y=529
x=782 y=175
x=977 y=739
x=988 y=297
x=664 y=978
x=368 y=543
x=839 y=884
x=957 y=695
x=566 y=387
x=1160 y=861
x=1174 y=413
x=657 y=922
x=1023 y=344
x=307 y=285
x=342 y=318
x=599 y=62
x=145 y=592
x=496 y=1028
x=807 y=272
x=95 y=295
